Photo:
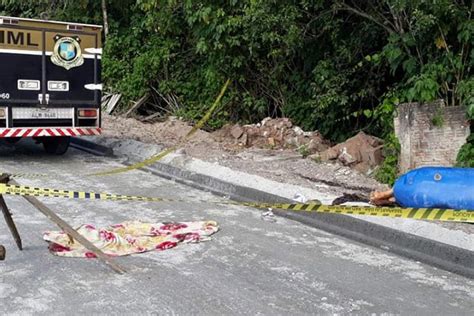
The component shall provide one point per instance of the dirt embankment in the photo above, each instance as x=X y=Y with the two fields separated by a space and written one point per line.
x=273 y=148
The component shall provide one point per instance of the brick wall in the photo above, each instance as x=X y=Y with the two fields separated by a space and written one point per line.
x=423 y=143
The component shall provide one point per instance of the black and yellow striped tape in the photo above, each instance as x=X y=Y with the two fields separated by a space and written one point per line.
x=397 y=212
x=28 y=175
x=55 y=193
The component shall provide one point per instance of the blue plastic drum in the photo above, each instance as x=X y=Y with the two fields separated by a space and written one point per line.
x=436 y=187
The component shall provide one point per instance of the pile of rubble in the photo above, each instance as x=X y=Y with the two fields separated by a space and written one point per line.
x=361 y=152
x=274 y=134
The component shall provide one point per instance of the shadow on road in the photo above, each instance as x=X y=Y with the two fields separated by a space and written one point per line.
x=24 y=147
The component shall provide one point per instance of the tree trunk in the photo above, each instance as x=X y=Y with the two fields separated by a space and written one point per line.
x=104 y=14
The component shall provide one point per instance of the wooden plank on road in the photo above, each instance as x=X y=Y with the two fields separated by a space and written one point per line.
x=8 y=217
x=72 y=232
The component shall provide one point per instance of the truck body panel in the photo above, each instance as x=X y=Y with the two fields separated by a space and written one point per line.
x=50 y=78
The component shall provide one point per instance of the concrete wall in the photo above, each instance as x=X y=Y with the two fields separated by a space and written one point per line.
x=423 y=143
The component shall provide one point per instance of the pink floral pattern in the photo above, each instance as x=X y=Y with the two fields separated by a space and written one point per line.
x=130 y=237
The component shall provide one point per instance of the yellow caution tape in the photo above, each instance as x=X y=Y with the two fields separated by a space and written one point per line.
x=27 y=175
x=152 y=159
x=397 y=212
x=23 y=190
x=168 y=151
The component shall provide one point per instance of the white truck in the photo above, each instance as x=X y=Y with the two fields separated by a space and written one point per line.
x=50 y=81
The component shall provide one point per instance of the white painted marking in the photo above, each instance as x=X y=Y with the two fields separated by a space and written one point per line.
x=93 y=50
x=92 y=86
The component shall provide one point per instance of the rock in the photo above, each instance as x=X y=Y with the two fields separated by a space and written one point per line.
x=279 y=137
x=291 y=141
x=278 y=133
x=244 y=139
x=374 y=156
x=271 y=141
x=317 y=144
x=374 y=141
x=252 y=131
x=361 y=152
x=316 y=157
x=264 y=121
x=329 y=154
x=362 y=167
x=346 y=158
x=298 y=131
x=236 y=131
x=222 y=133
x=302 y=140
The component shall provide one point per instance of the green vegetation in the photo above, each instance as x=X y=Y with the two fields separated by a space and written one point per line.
x=465 y=156
x=438 y=120
x=303 y=150
x=387 y=172
x=337 y=66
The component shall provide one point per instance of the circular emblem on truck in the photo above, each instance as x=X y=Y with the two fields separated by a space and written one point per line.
x=67 y=52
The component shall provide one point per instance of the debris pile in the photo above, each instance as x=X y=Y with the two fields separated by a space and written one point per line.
x=361 y=152
x=110 y=102
x=169 y=132
x=151 y=107
x=274 y=134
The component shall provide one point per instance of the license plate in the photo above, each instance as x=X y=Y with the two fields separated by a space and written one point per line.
x=42 y=113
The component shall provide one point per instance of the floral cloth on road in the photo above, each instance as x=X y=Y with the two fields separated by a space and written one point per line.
x=130 y=237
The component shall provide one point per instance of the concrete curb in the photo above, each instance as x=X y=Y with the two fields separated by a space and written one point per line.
x=435 y=253
x=91 y=147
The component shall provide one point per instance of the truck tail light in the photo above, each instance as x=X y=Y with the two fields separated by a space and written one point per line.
x=2 y=113
x=90 y=113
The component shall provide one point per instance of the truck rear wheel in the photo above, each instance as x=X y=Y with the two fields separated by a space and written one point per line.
x=12 y=140
x=56 y=145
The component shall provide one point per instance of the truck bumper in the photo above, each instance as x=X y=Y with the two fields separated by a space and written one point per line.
x=48 y=132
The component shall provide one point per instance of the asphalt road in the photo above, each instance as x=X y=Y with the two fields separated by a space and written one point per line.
x=250 y=266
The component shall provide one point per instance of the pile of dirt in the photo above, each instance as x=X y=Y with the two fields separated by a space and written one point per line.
x=270 y=137
x=361 y=152
x=271 y=133
x=168 y=132
x=266 y=149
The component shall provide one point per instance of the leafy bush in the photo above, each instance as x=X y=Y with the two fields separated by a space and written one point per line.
x=465 y=157
x=388 y=171
x=334 y=66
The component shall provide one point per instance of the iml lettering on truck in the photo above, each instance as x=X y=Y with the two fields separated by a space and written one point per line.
x=17 y=38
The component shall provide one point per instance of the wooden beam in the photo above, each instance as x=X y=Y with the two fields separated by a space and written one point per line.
x=2 y=253
x=112 y=103
x=72 y=232
x=137 y=104
x=8 y=216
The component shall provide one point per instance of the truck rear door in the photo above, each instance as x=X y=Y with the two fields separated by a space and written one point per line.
x=21 y=71
x=49 y=63
x=72 y=70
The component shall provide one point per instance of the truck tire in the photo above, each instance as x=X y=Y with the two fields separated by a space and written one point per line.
x=12 y=140
x=56 y=145
x=2 y=253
